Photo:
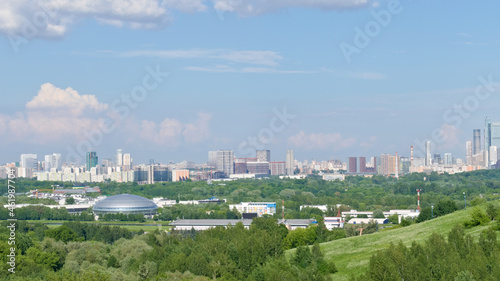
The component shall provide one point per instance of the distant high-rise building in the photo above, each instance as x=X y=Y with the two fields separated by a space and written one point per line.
x=362 y=165
x=404 y=165
x=264 y=155
x=448 y=160
x=495 y=134
x=91 y=160
x=119 y=157
x=468 y=152
x=127 y=161
x=225 y=162
x=352 y=165
x=56 y=161
x=387 y=165
x=258 y=167
x=436 y=158
x=29 y=161
x=212 y=158
x=48 y=162
x=476 y=142
x=240 y=166
x=428 y=158
x=277 y=168
x=290 y=165
x=487 y=134
x=107 y=162
x=52 y=161
x=493 y=155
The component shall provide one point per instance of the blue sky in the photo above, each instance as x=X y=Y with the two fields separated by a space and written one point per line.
x=232 y=64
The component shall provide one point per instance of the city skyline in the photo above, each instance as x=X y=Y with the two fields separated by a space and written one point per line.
x=327 y=79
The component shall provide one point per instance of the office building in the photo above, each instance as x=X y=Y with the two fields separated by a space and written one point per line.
x=52 y=162
x=352 y=165
x=476 y=141
x=56 y=161
x=263 y=155
x=119 y=157
x=487 y=134
x=127 y=161
x=29 y=161
x=180 y=175
x=428 y=158
x=493 y=155
x=258 y=167
x=468 y=152
x=290 y=165
x=91 y=160
x=225 y=162
x=212 y=158
x=149 y=174
x=240 y=166
x=495 y=134
x=362 y=165
x=387 y=165
x=259 y=208
x=277 y=168
x=448 y=160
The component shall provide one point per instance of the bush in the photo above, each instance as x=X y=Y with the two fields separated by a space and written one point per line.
x=478 y=218
x=406 y=222
x=491 y=211
x=378 y=214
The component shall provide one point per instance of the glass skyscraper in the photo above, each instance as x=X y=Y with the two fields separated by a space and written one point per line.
x=91 y=160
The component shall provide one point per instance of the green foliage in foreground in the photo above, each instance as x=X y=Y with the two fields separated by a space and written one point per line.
x=438 y=259
x=232 y=253
x=352 y=255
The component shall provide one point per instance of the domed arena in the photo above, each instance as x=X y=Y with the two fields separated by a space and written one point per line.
x=125 y=204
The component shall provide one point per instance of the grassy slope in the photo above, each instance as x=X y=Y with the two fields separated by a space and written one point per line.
x=352 y=255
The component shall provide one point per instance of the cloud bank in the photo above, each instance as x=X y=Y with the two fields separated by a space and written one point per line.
x=54 y=18
x=64 y=115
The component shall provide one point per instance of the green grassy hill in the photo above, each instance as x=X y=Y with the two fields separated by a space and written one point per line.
x=352 y=255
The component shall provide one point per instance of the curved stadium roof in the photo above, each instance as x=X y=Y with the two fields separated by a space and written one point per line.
x=126 y=204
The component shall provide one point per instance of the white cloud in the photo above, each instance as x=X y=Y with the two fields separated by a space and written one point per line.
x=63 y=115
x=189 y=6
x=320 y=141
x=267 y=58
x=171 y=132
x=199 y=130
x=53 y=114
x=258 y=7
x=166 y=133
x=53 y=99
x=53 y=18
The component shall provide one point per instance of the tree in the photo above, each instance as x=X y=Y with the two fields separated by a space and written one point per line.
x=445 y=207
x=491 y=211
x=70 y=200
x=478 y=217
x=378 y=214
x=425 y=214
x=62 y=233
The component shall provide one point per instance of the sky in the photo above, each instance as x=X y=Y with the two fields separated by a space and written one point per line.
x=171 y=80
